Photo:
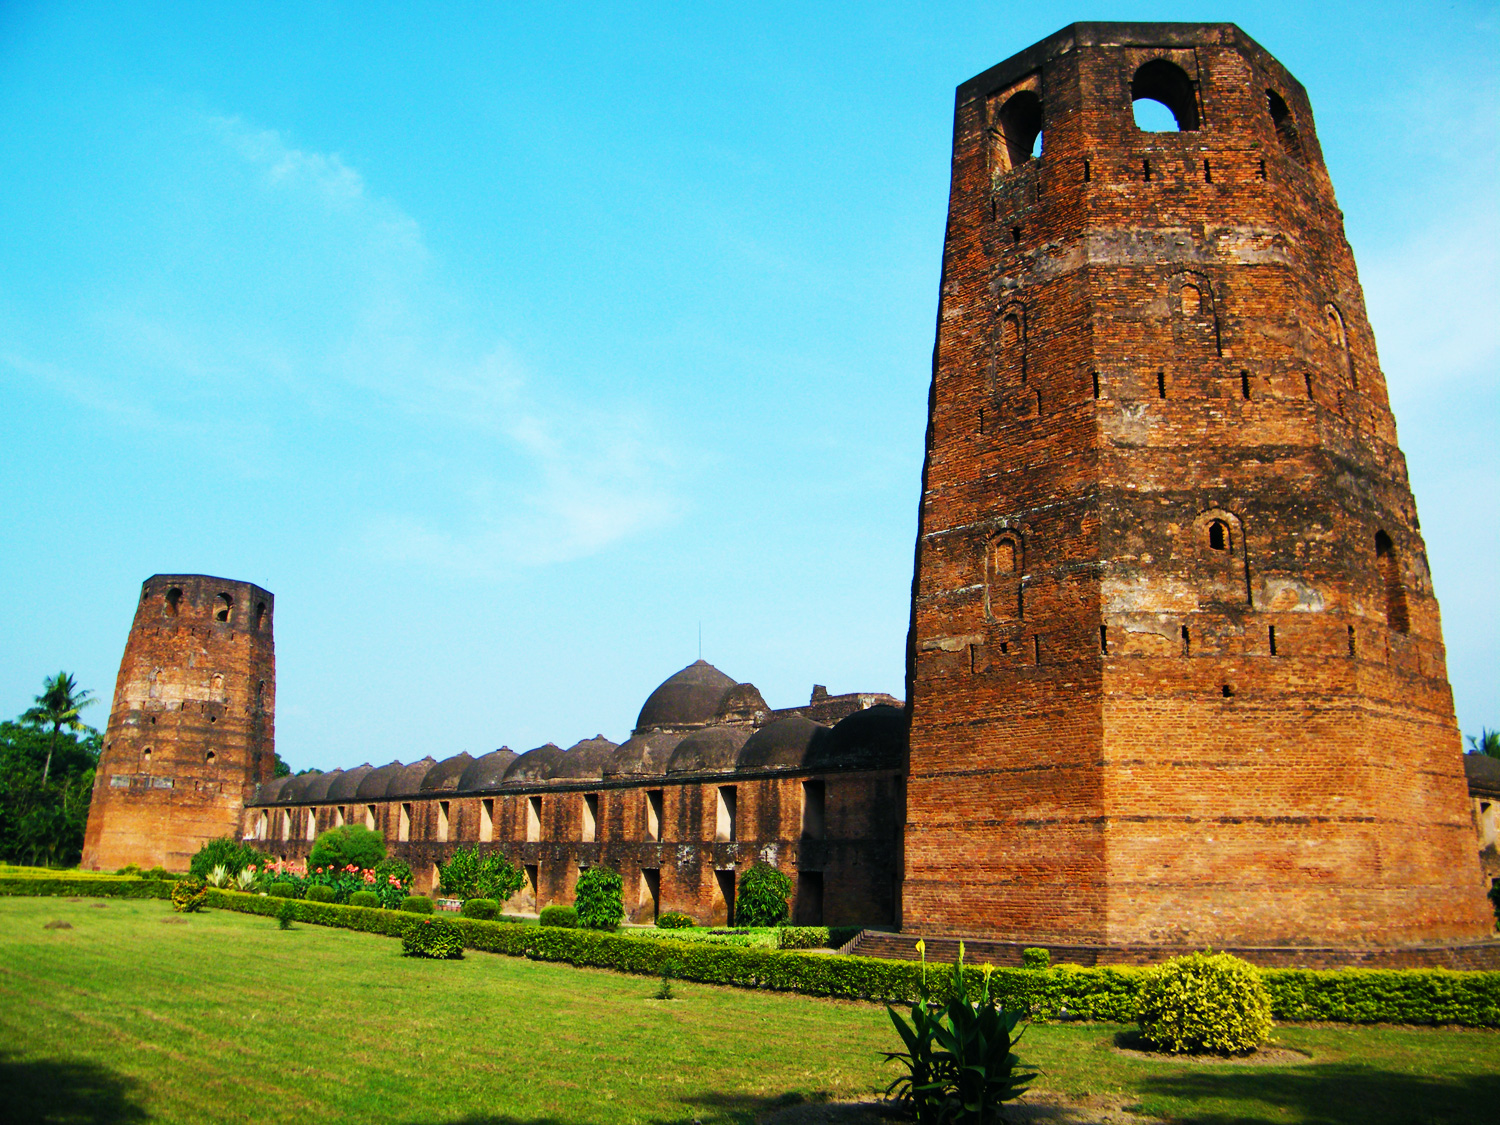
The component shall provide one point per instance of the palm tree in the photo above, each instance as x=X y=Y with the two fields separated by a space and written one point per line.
x=59 y=705
x=1488 y=743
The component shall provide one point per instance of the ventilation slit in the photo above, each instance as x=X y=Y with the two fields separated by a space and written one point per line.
x=1161 y=384
x=1187 y=642
x=1096 y=384
x=1208 y=172
x=1104 y=639
x=1088 y=172
x=1245 y=385
x=1272 y=632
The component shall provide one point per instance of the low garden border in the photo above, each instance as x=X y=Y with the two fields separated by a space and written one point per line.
x=1410 y=996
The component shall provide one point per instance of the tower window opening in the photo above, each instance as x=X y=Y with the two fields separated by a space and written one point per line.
x=1161 y=384
x=1245 y=385
x=172 y=602
x=1218 y=536
x=1163 y=85
x=1395 y=589
x=1187 y=642
x=1286 y=126
x=1036 y=648
x=1096 y=384
x=260 y=614
x=1088 y=171
x=1351 y=640
x=1261 y=172
x=1307 y=378
x=146 y=755
x=223 y=607
x=1015 y=234
x=1191 y=300
x=1146 y=170
x=1272 y=632
x=1227 y=692
x=1208 y=172
x=1017 y=130
x=210 y=758
x=1104 y=639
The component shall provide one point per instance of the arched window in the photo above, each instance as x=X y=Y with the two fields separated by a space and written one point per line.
x=216 y=685
x=1286 y=126
x=1340 y=337
x=1166 y=84
x=1219 y=536
x=173 y=600
x=210 y=758
x=223 y=607
x=1002 y=577
x=1190 y=300
x=260 y=615
x=1010 y=347
x=1196 y=320
x=1396 y=615
x=1017 y=130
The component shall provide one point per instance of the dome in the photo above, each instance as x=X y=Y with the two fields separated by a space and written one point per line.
x=534 y=765
x=373 y=785
x=690 y=698
x=294 y=792
x=317 y=789
x=408 y=782
x=346 y=786
x=643 y=755
x=785 y=744
x=486 y=771
x=742 y=703
x=584 y=760
x=444 y=776
x=714 y=748
x=267 y=791
x=874 y=738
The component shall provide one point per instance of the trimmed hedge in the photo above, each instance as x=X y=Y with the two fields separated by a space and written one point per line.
x=561 y=917
x=815 y=937
x=316 y=892
x=481 y=908
x=282 y=890
x=1413 y=996
x=416 y=904
x=367 y=899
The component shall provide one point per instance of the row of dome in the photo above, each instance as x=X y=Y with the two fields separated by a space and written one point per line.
x=870 y=739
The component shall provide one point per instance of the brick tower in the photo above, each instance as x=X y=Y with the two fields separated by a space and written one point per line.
x=1175 y=665
x=192 y=728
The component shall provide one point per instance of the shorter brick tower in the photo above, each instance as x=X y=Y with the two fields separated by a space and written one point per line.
x=192 y=727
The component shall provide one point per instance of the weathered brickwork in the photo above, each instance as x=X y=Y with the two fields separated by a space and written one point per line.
x=192 y=727
x=1175 y=666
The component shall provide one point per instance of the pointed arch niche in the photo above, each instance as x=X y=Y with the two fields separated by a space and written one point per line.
x=1004 y=565
x=1222 y=560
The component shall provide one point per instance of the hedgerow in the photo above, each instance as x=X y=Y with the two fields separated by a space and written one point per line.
x=1412 y=996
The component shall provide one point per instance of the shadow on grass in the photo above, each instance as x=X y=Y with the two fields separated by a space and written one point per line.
x=62 y=1092
x=1330 y=1094
x=742 y=1108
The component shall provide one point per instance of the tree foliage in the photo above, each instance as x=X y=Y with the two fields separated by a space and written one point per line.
x=225 y=852
x=761 y=898
x=345 y=845
x=472 y=874
x=1487 y=742
x=598 y=898
x=58 y=705
x=46 y=779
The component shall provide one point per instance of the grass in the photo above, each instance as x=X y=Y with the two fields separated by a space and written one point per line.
x=133 y=1016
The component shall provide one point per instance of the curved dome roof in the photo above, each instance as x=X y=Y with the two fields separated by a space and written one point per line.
x=373 y=785
x=317 y=788
x=785 y=744
x=586 y=759
x=742 y=703
x=408 y=782
x=345 y=787
x=643 y=755
x=267 y=791
x=714 y=748
x=444 y=776
x=486 y=771
x=534 y=765
x=690 y=698
x=295 y=790
x=874 y=738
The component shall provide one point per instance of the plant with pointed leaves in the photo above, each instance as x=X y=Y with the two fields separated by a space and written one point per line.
x=59 y=704
x=1487 y=743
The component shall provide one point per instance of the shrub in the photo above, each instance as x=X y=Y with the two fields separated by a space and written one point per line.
x=218 y=877
x=1036 y=959
x=345 y=846
x=761 y=897
x=159 y=873
x=598 y=899
x=393 y=881
x=469 y=874
x=189 y=895
x=284 y=915
x=1495 y=899
x=283 y=890
x=801 y=937
x=368 y=899
x=416 y=904
x=432 y=937
x=227 y=852
x=1204 y=1002
x=484 y=908
x=319 y=893
x=564 y=917
x=129 y=869
x=673 y=920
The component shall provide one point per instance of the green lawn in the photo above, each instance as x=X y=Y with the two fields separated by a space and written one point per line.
x=133 y=1015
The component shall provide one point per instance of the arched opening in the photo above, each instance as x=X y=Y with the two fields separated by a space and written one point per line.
x=1390 y=577
x=210 y=758
x=1003 y=577
x=1218 y=536
x=1286 y=126
x=1167 y=85
x=260 y=614
x=223 y=607
x=173 y=600
x=1192 y=300
x=1340 y=337
x=1018 y=129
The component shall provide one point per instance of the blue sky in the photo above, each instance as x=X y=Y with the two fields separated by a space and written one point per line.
x=505 y=346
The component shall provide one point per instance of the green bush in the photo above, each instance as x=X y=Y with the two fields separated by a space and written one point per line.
x=284 y=914
x=802 y=937
x=1495 y=899
x=432 y=937
x=368 y=899
x=470 y=874
x=562 y=917
x=281 y=890
x=416 y=904
x=349 y=845
x=318 y=893
x=159 y=873
x=598 y=899
x=673 y=920
x=484 y=908
x=761 y=897
x=1200 y=1002
x=129 y=869
x=226 y=851
x=1036 y=958
x=189 y=895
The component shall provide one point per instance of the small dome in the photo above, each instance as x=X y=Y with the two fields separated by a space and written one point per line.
x=373 y=785
x=317 y=789
x=584 y=760
x=711 y=749
x=742 y=704
x=643 y=755
x=267 y=791
x=294 y=792
x=690 y=698
x=346 y=786
x=408 y=783
x=443 y=777
x=872 y=739
x=486 y=771
x=534 y=765
x=785 y=744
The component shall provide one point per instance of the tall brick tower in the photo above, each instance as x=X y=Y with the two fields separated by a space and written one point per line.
x=1175 y=664
x=192 y=728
